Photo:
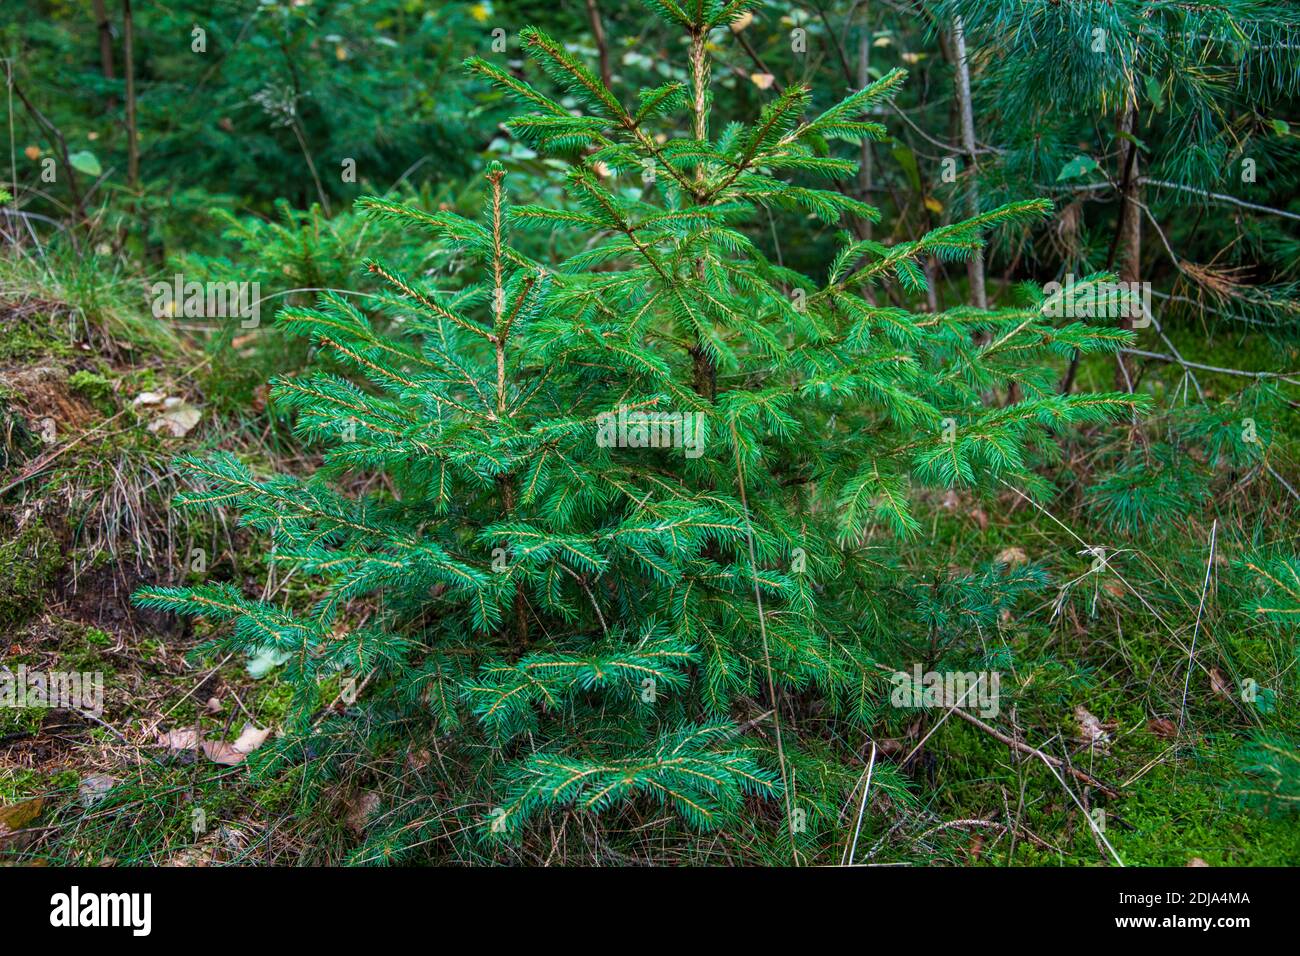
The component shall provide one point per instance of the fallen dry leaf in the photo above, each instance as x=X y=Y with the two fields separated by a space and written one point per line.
x=1091 y=730
x=1012 y=556
x=418 y=759
x=1219 y=684
x=251 y=738
x=148 y=398
x=18 y=815
x=227 y=753
x=218 y=751
x=93 y=788
x=360 y=810
x=1163 y=727
x=231 y=754
x=178 y=740
x=178 y=419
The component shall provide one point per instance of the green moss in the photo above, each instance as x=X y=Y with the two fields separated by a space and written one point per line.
x=279 y=793
x=1176 y=814
x=20 y=720
x=17 y=785
x=28 y=564
x=82 y=648
x=145 y=380
x=21 y=341
x=95 y=389
x=274 y=703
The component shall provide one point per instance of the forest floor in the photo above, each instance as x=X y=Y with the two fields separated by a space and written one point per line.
x=89 y=420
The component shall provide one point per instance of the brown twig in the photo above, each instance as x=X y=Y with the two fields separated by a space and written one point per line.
x=56 y=137
x=1034 y=751
x=598 y=32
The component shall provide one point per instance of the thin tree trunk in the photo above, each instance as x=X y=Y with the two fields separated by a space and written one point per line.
x=132 y=131
x=500 y=334
x=1130 y=242
x=866 y=164
x=105 y=46
x=975 y=264
x=931 y=269
x=704 y=371
x=57 y=138
x=1128 y=234
x=598 y=32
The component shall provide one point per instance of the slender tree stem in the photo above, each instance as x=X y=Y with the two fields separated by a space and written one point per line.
x=132 y=130
x=975 y=264
x=105 y=30
x=704 y=372
x=602 y=45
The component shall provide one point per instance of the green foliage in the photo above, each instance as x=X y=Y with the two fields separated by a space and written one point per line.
x=267 y=104
x=1193 y=91
x=29 y=560
x=565 y=650
x=96 y=388
x=1271 y=764
x=594 y=612
x=291 y=259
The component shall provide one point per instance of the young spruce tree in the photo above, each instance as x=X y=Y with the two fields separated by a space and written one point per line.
x=589 y=622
